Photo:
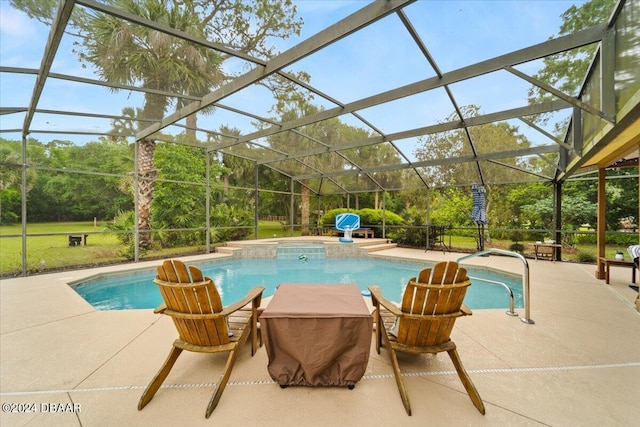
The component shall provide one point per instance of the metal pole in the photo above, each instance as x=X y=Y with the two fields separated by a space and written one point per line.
x=208 y=203
x=384 y=214
x=257 y=201
x=291 y=208
x=23 y=191
x=136 y=202
x=557 y=218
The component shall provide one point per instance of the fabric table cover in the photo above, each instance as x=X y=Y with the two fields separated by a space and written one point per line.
x=317 y=334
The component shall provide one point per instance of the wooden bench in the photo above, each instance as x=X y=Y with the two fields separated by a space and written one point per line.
x=365 y=232
x=612 y=262
x=546 y=250
x=78 y=240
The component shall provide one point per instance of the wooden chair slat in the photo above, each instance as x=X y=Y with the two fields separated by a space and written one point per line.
x=185 y=329
x=167 y=272
x=439 y=272
x=452 y=272
x=196 y=274
x=201 y=294
x=180 y=300
x=432 y=300
x=442 y=301
x=403 y=329
x=439 y=332
x=190 y=296
x=462 y=275
x=181 y=271
x=458 y=297
x=214 y=296
x=419 y=298
x=162 y=274
x=425 y=275
x=169 y=296
x=209 y=334
x=424 y=335
x=407 y=296
x=412 y=332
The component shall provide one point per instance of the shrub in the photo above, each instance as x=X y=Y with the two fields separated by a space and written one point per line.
x=329 y=217
x=516 y=236
x=374 y=217
x=223 y=216
x=622 y=239
x=368 y=218
x=584 y=238
x=124 y=222
x=412 y=237
x=586 y=258
x=517 y=247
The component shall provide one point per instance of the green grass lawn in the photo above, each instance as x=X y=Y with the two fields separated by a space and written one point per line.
x=51 y=249
x=270 y=229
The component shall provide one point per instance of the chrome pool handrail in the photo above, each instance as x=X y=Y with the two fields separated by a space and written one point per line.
x=525 y=277
x=511 y=311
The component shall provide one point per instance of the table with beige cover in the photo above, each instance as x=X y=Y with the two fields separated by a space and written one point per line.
x=317 y=335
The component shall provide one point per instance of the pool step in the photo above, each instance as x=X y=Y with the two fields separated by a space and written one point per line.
x=370 y=245
x=379 y=247
x=228 y=249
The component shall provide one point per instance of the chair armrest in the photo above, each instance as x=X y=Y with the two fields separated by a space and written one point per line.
x=376 y=296
x=466 y=311
x=160 y=309
x=253 y=295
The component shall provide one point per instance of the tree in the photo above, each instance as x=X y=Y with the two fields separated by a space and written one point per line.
x=292 y=141
x=509 y=211
x=10 y=177
x=621 y=193
x=566 y=71
x=488 y=138
x=180 y=198
x=126 y=53
x=329 y=132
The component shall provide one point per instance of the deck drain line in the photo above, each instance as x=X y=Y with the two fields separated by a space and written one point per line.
x=366 y=377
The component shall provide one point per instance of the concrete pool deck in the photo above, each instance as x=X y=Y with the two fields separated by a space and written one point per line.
x=578 y=365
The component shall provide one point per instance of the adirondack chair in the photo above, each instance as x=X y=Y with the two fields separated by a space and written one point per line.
x=423 y=323
x=203 y=324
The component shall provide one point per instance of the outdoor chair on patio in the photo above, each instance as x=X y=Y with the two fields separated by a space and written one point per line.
x=423 y=323
x=193 y=302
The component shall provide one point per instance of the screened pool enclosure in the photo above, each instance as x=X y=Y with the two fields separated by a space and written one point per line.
x=188 y=115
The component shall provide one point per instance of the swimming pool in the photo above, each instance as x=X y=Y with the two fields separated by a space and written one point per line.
x=234 y=278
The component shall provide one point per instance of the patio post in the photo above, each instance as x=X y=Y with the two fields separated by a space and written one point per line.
x=291 y=208
x=601 y=222
x=557 y=218
x=384 y=214
x=638 y=225
x=207 y=205
x=257 y=201
x=23 y=204
x=136 y=201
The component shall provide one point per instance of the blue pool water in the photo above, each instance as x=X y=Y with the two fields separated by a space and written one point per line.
x=235 y=277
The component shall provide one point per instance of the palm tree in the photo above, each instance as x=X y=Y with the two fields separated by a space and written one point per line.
x=126 y=53
x=130 y=54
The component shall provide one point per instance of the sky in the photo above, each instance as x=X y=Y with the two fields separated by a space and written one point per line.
x=379 y=58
